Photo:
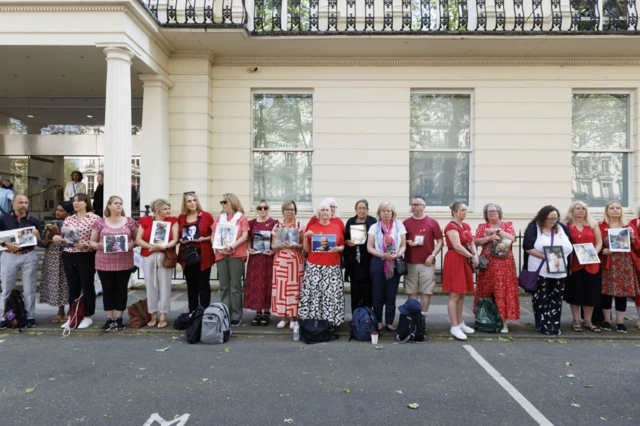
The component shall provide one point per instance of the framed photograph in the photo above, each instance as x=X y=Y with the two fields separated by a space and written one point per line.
x=51 y=229
x=262 y=241
x=160 y=232
x=26 y=237
x=586 y=253
x=287 y=235
x=8 y=237
x=190 y=233
x=619 y=240
x=358 y=233
x=323 y=242
x=71 y=235
x=419 y=240
x=500 y=248
x=225 y=235
x=116 y=243
x=556 y=263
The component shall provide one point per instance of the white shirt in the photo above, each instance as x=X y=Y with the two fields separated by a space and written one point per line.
x=559 y=239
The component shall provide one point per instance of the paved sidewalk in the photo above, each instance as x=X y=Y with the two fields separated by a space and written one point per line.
x=437 y=321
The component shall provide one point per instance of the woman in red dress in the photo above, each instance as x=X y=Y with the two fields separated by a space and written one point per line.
x=257 y=294
x=619 y=278
x=635 y=224
x=457 y=276
x=500 y=278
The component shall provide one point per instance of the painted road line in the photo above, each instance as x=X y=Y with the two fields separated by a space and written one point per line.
x=177 y=421
x=520 y=399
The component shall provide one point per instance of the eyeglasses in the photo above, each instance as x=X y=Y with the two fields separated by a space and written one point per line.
x=492 y=211
x=189 y=193
x=417 y=205
x=334 y=207
x=289 y=210
x=552 y=219
x=262 y=208
x=223 y=202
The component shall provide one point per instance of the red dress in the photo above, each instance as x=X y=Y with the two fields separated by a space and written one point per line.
x=619 y=277
x=257 y=294
x=457 y=275
x=499 y=278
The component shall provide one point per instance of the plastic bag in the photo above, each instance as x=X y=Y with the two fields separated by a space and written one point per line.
x=487 y=316
x=137 y=257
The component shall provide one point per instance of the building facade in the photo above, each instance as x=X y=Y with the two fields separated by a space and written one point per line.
x=518 y=103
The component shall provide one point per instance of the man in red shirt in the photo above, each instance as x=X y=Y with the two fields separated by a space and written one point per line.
x=424 y=242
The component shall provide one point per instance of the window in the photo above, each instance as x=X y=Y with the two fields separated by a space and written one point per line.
x=601 y=147
x=440 y=150
x=90 y=183
x=282 y=147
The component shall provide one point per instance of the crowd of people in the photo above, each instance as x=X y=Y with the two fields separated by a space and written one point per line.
x=287 y=277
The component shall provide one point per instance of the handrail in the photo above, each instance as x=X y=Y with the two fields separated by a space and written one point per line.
x=44 y=190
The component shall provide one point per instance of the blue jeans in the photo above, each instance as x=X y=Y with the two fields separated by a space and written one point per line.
x=383 y=291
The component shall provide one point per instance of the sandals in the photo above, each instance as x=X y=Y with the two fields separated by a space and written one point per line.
x=256 y=320
x=56 y=319
x=589 y=326
x=154 y=320
x=575 y=325
x=266 y=318
x=163 y=321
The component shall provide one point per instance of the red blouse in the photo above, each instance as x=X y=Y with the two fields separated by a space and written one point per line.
x=204 y=229
x=582 y=237
x=147 y=223
x=635 y=246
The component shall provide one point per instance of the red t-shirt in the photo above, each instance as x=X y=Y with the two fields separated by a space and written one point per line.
x=326 y=259
x=336 y=220
x=147 y=223
x=427 y=227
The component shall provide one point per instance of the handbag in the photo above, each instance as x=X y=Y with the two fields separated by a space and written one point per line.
x=528 y=280
x=316 y=331
x=191 y=255
x=139 y=314
x=483 y=262
x=170 y=258
x=401 y=266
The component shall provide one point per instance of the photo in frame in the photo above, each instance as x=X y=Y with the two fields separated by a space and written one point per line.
x=619 y=240
x=500 y=248
x=51 y=229
x=70 y=235
x=225 y=235
x=323 y=242
x=262 y=241
x=116 y=243
x=8 y=237
x=190 y=233
x=160 y=232
x=358 y=233
x=26 y=237
x=418 y=240
x=586 y=253
x=554 y=256
x=286 y=235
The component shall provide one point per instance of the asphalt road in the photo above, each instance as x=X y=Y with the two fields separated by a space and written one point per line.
x=123 y=380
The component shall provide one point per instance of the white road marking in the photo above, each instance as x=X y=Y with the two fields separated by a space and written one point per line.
x=155 y=417
x=520 y=399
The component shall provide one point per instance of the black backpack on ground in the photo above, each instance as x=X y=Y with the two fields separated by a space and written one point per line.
x=195 y=326
x=182 y=322
x=14 y=311
x=412 y=328
x=316 y=331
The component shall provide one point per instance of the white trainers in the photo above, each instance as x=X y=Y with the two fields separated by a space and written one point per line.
x=66 y=324
x=292 y=325
x=465 y=329
x=505 y=329
x=85 y=323
x=282 y=324
x=457 y=333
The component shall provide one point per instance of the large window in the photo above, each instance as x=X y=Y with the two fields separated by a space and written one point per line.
x=282 y=147
x=440 y=147
x=601 y=146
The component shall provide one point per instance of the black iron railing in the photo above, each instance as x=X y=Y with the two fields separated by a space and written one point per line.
x=388 y=17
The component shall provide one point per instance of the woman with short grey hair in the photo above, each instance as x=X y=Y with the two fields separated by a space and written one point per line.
x=333 y=207
x=492 y=209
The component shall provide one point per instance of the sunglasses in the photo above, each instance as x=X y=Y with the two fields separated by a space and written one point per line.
x=223 y=202
x=189 y=193
x=262 y=208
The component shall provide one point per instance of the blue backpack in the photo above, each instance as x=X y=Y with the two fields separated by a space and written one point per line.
x=363 y=323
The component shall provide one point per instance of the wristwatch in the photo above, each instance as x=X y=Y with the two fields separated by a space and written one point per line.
x=3 y=244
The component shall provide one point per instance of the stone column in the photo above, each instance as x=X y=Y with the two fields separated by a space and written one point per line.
x=154 y=166
x=117 y=138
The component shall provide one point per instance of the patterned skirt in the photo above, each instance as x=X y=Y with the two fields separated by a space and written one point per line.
x=287 y=277
x=322 y=294
x=54 y=290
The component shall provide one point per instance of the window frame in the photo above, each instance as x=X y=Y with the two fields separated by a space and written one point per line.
x=631 y=142
x=302 y=207
x=470 y=150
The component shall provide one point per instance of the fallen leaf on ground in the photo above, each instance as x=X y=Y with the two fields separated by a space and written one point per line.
x=588 y=386
x=346 y=390
x=602 y=418
x=35 y=333
x=288 y=421
x=205 y=380
x=141 y=368
x=571 y=375
x=413 y=405
x=227 y=350
x=378 y=347
x=501 y=354
x=568 y=363
x=29 y=390
x=398 y=391
x=52 y=378
x=573 y=404
x=628 y=318
x=163 y=349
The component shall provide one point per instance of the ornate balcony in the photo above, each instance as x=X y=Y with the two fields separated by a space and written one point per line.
x=401 y=17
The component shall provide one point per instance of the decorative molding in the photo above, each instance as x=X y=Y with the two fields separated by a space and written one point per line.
x=154 y=80
x=195 y=54
x=391 y=62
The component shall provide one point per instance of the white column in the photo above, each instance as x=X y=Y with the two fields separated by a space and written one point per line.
x=117 y=138
x=154 y=165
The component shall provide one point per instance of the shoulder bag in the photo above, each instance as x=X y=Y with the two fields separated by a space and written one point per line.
x=528 y=280
x=170 y=258
x=190 y=253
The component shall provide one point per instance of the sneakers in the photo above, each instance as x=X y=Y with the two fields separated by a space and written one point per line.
x=505 y=329
x=31 y=323
x=3 y=325
x=282 y=324
x=457 y=333
x=621 y=328
x=605 y=326
x=235 y=323
x=108 y=326
x=119 y=324
x=85 y=323
x=293 y=324
x=66 y=324
x=465 y=329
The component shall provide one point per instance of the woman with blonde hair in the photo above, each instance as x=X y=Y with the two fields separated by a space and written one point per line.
x=619 y=279
x=196 y=254
x=114 y=268
x=230 y=260
x=157 y=278
x=584 y=285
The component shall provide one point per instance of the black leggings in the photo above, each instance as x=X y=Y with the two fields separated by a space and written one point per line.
x=79 y=268
x=115 y=289
x=621 y=302
x=198 y=286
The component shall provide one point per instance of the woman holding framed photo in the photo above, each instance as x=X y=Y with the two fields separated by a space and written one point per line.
x=619 y=278
x=499 y=278
x=584 y=285
x=546 y=232
x=635 y=224
x=231 y=257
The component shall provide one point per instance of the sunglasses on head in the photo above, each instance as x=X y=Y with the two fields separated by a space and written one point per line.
x=223 y=202
x=263 y=208
x=189 y=193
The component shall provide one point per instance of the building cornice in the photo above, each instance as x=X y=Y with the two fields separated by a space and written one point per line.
x=393 y=62
x=186 y=54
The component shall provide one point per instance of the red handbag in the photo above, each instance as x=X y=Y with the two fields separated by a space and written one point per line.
x=76 y=313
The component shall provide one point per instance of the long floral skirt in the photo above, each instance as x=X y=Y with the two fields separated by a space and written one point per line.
x=547 y=305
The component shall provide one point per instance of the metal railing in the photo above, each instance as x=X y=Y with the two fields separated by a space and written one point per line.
x=388 y=17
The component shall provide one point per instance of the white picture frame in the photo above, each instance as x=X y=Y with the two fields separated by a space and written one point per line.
x=586 y=254
x=8 y=237
x=261 y=241
x=160 y=232
x=224 y=236
x=619 y=240
x=25 y=237
x=358 y=233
